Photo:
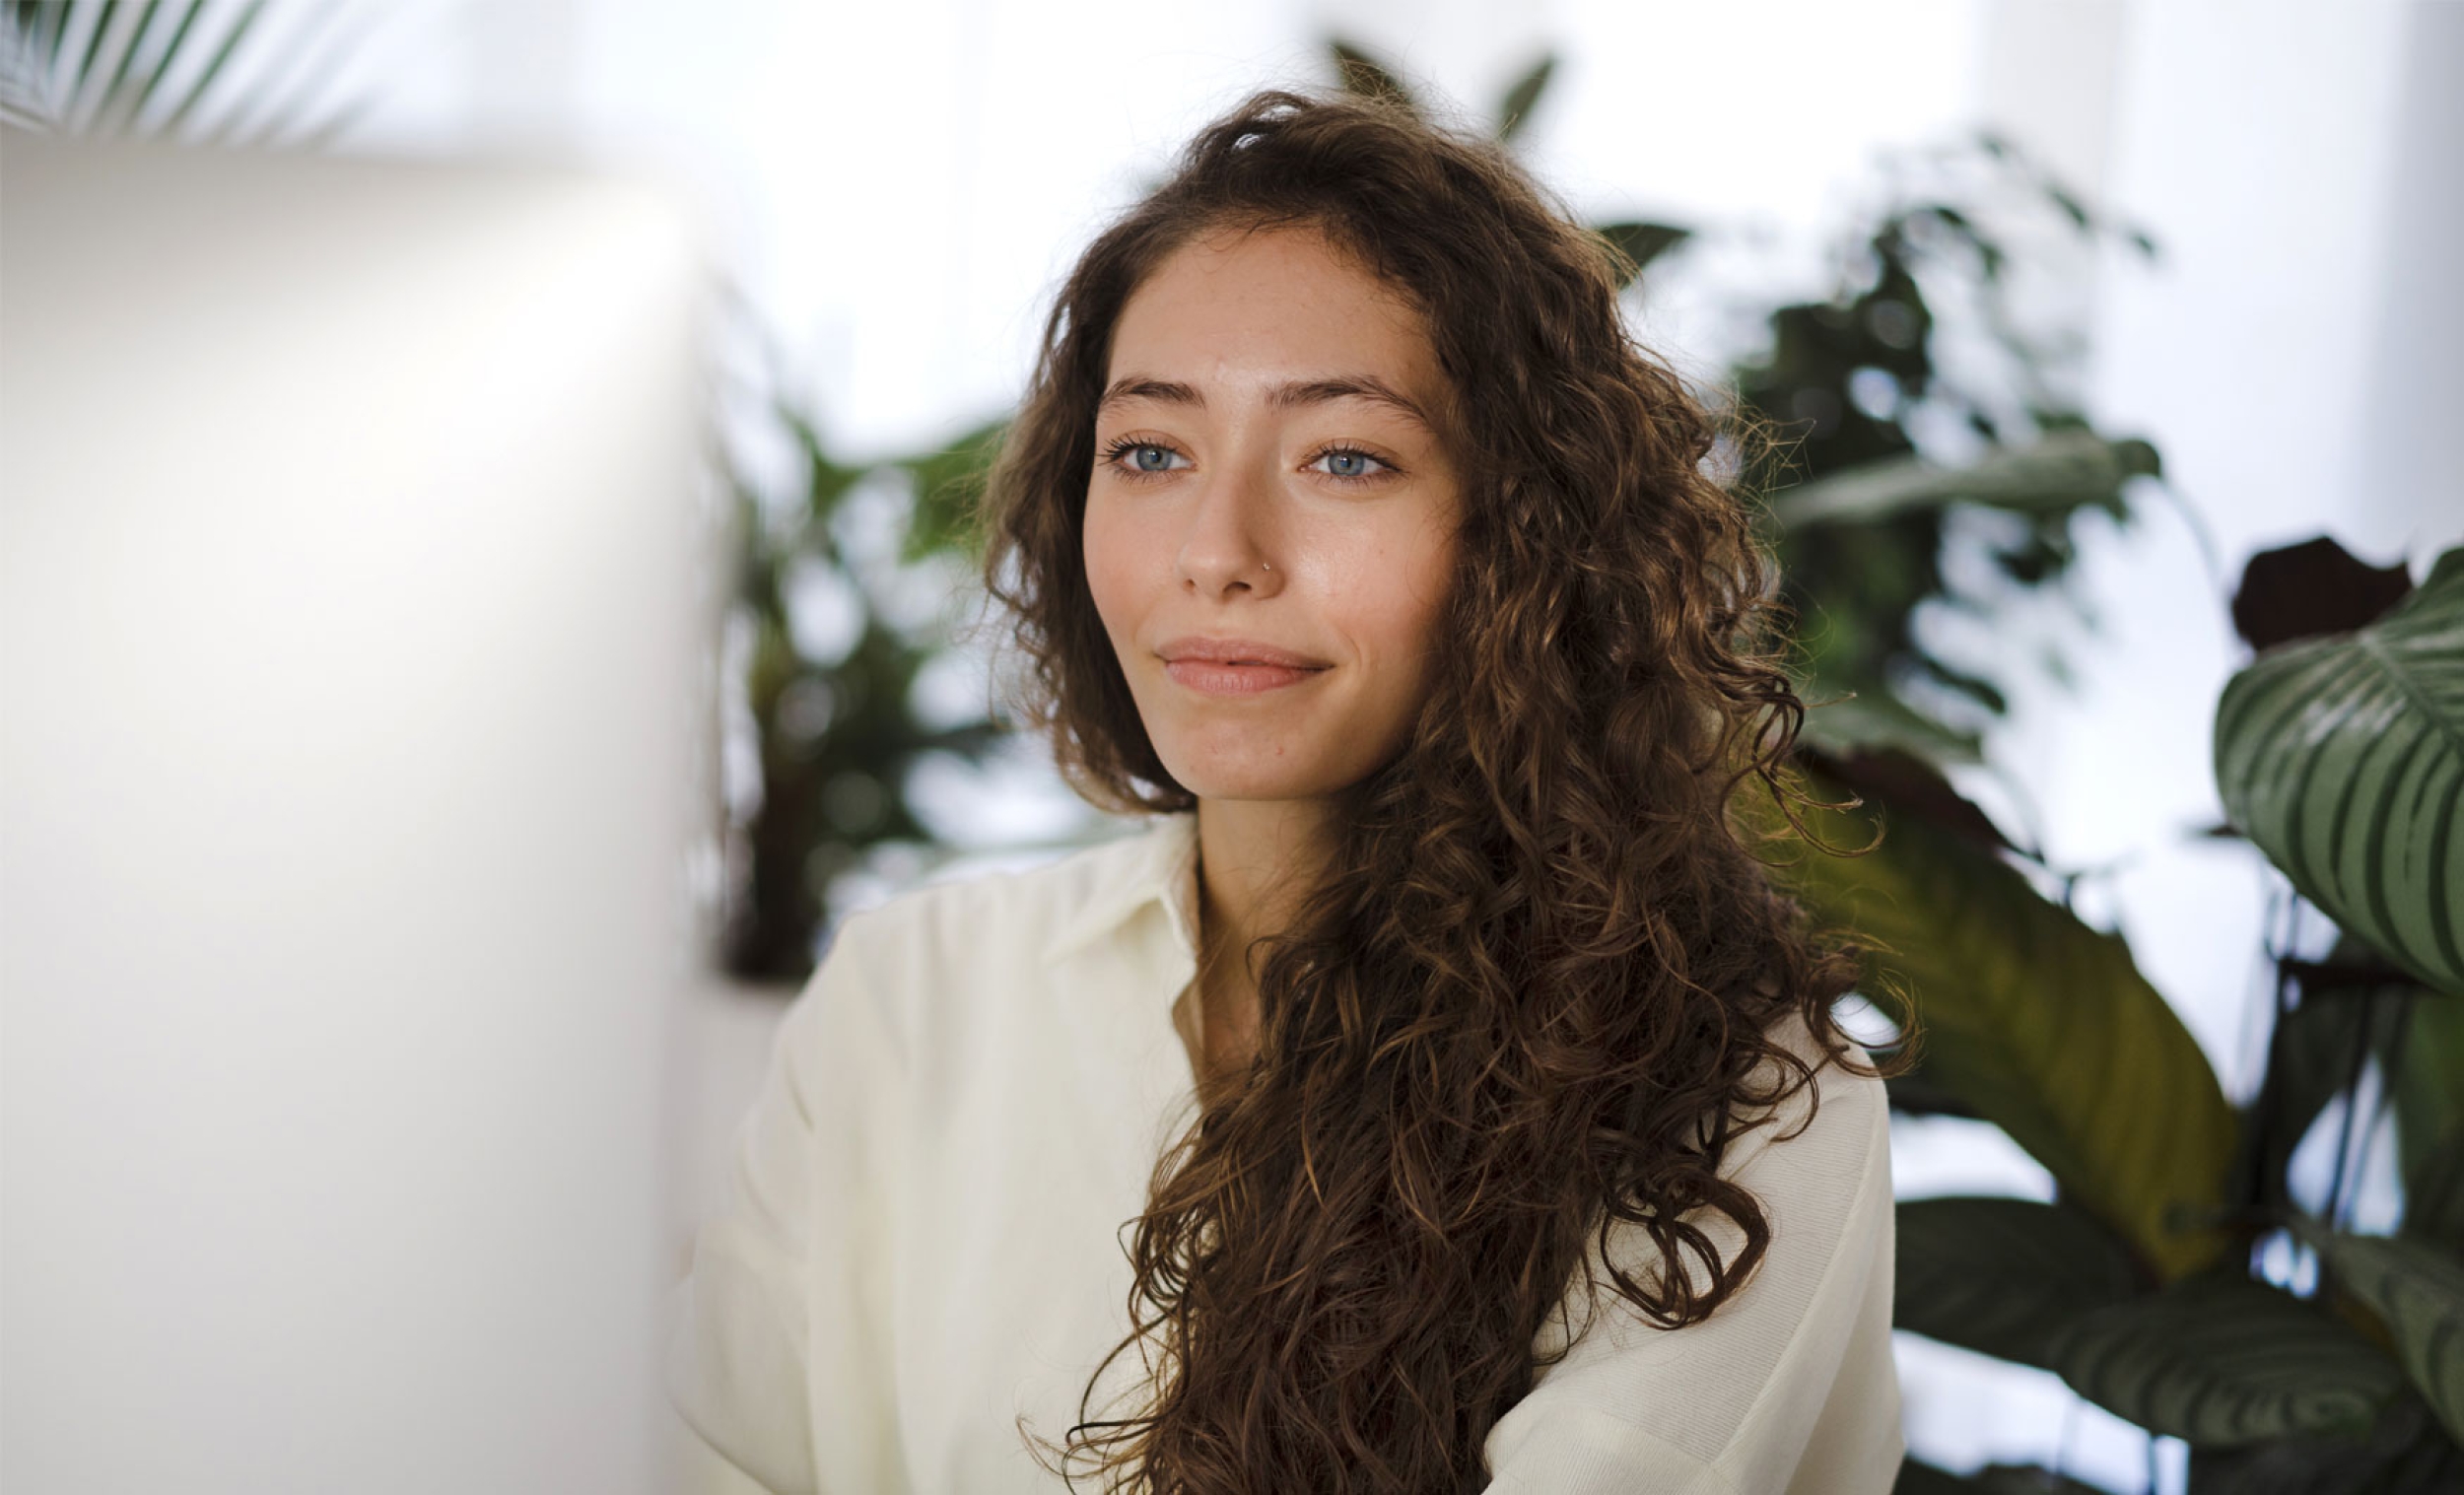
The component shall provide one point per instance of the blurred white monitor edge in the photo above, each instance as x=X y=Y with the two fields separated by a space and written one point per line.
x=349 y=595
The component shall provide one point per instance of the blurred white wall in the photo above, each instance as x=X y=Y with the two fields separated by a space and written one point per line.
x=351 y=653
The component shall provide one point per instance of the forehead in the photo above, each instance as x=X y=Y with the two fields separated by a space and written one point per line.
x=1281 y=301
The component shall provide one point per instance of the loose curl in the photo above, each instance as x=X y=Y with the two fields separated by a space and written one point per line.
x=1525 y=1005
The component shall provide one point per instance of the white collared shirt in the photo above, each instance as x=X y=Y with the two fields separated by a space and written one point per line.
x=922 y=1239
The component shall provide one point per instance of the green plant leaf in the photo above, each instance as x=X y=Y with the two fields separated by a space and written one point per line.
x=1640 y=244
x=1364 y=76
x=2064 y=470
x=232 y=36
x=949 y=482
x=2343 y=759
x=1516 y=108
x=86 y=66
x=2000 y=1275
x=2037 y=1022
x=119 y=94
x=2221 y=1361
x=108 y=87
x=161 y=66
x=2405 y=1452
x=2418 y=1289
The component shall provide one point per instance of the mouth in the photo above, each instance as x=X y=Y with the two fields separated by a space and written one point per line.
x=1227 y=666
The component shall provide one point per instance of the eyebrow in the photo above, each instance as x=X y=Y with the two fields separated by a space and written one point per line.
x=1290 y=395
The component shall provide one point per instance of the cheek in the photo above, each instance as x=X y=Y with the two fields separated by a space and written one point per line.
x=1109 y=551
x=1410 y=586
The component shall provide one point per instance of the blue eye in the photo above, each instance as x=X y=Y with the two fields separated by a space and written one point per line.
x=1350 y=464
x=1145 y=459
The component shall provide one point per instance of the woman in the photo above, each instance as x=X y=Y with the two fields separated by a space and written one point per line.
x=1474 y=1104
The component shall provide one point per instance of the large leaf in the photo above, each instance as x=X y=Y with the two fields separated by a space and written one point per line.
x=2221 y=1361
x=2405 y=1452
x=2064 y=470
x=2418 y=1289
x=2035 y=1022
x=2000 y=1276
x=2343 y=759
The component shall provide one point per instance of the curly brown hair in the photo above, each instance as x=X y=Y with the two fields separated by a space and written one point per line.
x=1524 y=1004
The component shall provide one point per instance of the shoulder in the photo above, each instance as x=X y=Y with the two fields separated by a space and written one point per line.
x=1795 y=1360
x=997 y=911
x=987 y=934
x=1844 y=1112
x=1816 y=1162
x=1817 y=1159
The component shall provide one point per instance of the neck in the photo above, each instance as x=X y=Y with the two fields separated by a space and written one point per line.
x=1257 y=860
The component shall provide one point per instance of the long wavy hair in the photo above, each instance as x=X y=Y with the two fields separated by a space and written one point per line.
x=1524 y=1004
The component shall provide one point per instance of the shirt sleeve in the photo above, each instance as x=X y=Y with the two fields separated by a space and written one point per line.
x=777 y=1346
x=1788 y=1386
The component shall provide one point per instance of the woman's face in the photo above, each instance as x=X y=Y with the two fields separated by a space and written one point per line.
x=1268 y=487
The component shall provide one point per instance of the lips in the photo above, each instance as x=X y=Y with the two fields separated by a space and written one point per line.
x=1235 y=666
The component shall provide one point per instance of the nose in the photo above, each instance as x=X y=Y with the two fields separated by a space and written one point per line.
x=1232 y=532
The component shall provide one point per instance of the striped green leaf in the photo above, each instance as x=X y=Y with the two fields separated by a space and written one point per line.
x=2405 y=1452
x=2000 y=1275
x=2221 y=1361
x=2035 y=1022
x=2342 y=758
x=2418 y=1289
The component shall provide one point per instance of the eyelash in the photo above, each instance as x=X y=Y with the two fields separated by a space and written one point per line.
x=1122 y=446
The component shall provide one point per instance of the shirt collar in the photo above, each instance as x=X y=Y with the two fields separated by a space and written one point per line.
x=1155 y=865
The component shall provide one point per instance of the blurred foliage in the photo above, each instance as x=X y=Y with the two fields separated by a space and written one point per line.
x=105 y=68
x=2338 y=749
x=836 y=721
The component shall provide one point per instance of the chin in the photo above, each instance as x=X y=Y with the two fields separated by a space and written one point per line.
x=1274 y=778
x=1270 y=773
x=1262 y=786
